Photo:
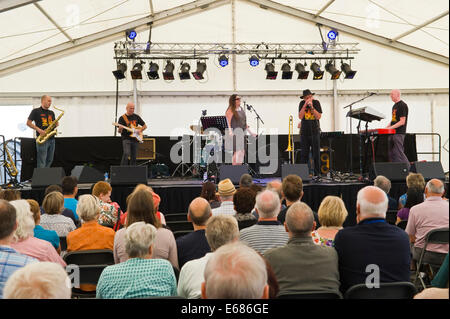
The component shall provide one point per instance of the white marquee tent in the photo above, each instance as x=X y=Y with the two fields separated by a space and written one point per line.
x=66 y=49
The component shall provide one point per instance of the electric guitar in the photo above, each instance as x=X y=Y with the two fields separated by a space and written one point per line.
x=137 y=134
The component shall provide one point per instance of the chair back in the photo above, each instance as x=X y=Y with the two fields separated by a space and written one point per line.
x=311 y=295
x=402 y=224
x=63 y=243
x=391 y=216
x=90 y=274
x=391 y=290
x=175 y=217
x=437 y=236
x=90 y=257
x=179 y=225
x=180 y=233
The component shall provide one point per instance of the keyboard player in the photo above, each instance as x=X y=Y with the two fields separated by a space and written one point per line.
x=396 y=152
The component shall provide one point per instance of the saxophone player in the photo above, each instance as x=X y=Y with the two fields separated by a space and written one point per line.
x=43 y=118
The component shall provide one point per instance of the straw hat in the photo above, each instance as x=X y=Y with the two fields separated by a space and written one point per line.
x=226 y=188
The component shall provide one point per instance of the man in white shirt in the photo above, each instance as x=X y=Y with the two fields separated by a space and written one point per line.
x=226 y=192
x=220 y=230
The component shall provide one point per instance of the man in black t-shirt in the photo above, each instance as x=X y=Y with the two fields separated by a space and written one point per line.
x=310 y=113
x=42 y=118
x=399 y=120
x=129 y=143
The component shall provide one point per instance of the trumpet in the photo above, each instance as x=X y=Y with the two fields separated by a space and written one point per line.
x=290 y=147
x=50 y=131
x=9 y=163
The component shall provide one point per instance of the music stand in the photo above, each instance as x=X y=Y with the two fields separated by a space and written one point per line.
x=218 y=122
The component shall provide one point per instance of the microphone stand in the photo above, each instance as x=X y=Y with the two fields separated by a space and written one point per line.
x=258 y=118
x=351 y=145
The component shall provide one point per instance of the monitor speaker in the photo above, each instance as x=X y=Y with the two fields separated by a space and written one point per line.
x=429 y=170
x=45 y=176
x=300 y=170
x=86 y=174
x=233 y=172
x=128 y=175
x=395 y=172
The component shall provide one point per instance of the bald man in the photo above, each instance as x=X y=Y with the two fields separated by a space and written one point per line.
x=396 y=152
x=129 y=143
x=194 y=245
x=42 y=118
x=373 y=251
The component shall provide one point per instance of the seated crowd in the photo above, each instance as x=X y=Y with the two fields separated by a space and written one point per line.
x=250 y=242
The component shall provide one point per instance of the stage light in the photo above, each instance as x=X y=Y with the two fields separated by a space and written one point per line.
x=302 y=73
x=332 y=34
x=349 y=73
x=184 y=71
x=335 y=73
x=120 y=72
x=223 y=60
x=318 y=74
x=153 y=71
x=168 y=71
x=136 y=72
x=254 y=61
x=131 y=34
x=286 y=71
x=201 y=68
x=271 y=73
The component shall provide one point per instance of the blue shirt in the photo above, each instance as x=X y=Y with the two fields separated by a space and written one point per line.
x=71 y=203
x=192 y=246
x=49 y=235
x=10 y=261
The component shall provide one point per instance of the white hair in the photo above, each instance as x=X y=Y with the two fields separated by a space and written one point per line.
x=435 y=188
x=139 y=236
x=369 y=208
x=39 y=280
x=88 y=207
x=268 y=204
x=25 y=220
x=235 y=271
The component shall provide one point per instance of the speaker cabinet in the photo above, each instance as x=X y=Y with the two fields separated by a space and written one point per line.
x=128 y=175
x=395 y=172
x=233 y=172
x=45 y=176
x=429 y=170
x=86 y=174
x=301 y=170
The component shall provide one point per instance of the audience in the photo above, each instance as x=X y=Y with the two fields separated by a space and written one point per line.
x=141 y=209
x=53 y=206
x=332 y=215
x=413 y=180
x=194 y=245
x=235 y=271
x=69 y=185
x=431 y=214
x=292 y=188
x=109 y=214
x=141 y=275
x=42 y=280
x=414 y=197
x=301 y=265
x=66 y=212
x=226 y=192
x=220 y=230
x=385 y=184
x=244 y=203
x=372 y=242
x=39 y=232
x=209 y=193
x=246 y=181
x=25 y=243
x=10 y=259
x=9 y=194
x=268 y=232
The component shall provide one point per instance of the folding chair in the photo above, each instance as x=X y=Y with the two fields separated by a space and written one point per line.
x=180 y=233
x=311 y=295
x=179 y=225
x=434 y=236
x=88 y=274
x=387 y=290
x=176 y=217
x=63 y=243
x=90 y=257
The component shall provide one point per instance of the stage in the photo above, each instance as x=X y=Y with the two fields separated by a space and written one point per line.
x=177 y=193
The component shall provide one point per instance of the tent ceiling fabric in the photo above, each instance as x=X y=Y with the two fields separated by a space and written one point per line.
x=386 y=18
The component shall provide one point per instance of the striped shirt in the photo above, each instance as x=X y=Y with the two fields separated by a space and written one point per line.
x=137 y=278
x=264 y=235
x=10 y=261
x=226 y=208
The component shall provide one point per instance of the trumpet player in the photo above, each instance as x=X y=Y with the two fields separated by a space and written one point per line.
x=43 y=118
x=310 y=112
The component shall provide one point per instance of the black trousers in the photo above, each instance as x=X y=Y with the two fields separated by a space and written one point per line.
x=307 y=143
x=129 y=150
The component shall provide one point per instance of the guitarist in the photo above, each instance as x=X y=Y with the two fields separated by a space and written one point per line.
x=129 y=143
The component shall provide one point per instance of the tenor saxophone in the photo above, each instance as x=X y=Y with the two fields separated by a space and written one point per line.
x=50 y=131
x=9 y=163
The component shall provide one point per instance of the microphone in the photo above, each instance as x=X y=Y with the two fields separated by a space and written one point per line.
x=249 y=107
